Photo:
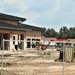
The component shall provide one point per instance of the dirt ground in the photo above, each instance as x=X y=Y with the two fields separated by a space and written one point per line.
x=31 y=63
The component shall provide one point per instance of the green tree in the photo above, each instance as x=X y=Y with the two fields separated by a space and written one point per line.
x=63 y=33
x=44 y=31
x=72 y=32
x=48 y=34
x=53 y=33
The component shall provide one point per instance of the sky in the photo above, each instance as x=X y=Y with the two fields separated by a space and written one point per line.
x=42 y=13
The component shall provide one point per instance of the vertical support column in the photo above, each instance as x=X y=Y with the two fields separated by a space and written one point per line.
x=25 y=43
x=31 y=43
x=2 y=40
x=10 y=42
x=19 y=38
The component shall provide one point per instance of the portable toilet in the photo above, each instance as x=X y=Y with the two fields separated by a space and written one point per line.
x=68 y=53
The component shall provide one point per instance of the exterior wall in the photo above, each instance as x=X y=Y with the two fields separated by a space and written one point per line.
x=12 y=31
x=17 y=37
x=4 y=31
x=18 y=32
x=26 y=34
x=33 y=34
x=25 y=44
x=30 y=35
x=10 y=43
x=9 y=21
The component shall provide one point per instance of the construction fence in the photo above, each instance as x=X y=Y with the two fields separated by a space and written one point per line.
x=47 y=64
x=25 y=44
x=20 y=44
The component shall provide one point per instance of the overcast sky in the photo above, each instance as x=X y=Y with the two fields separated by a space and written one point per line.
x=42 y=13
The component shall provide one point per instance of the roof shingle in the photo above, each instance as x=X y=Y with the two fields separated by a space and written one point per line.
x=18 y=27
x=11 y=26
x=31 y=27
x=6 y=16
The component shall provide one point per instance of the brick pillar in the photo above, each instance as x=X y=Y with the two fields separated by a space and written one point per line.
x=31 y=43
x=25 y=42
x=10 y=42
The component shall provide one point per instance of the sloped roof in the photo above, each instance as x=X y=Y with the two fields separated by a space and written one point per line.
x=12 y=27
x=31 y=27
x=48 y=38
x=6 y=16
x=61 y=40
x=18 y=27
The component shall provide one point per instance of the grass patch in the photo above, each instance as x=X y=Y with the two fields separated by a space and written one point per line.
x=41 y=53
x=48 y=53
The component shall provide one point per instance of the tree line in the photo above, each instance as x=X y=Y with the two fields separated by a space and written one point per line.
x=64 y=33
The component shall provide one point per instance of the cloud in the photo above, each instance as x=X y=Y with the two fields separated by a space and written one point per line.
x=31 y=17
x=68 y=25
x=57 y=6
x=45 y=13
x=41 y=6
x=13 y=5
x=47 y=17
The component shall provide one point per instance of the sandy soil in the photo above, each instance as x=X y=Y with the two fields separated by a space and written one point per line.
x=31 y=63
